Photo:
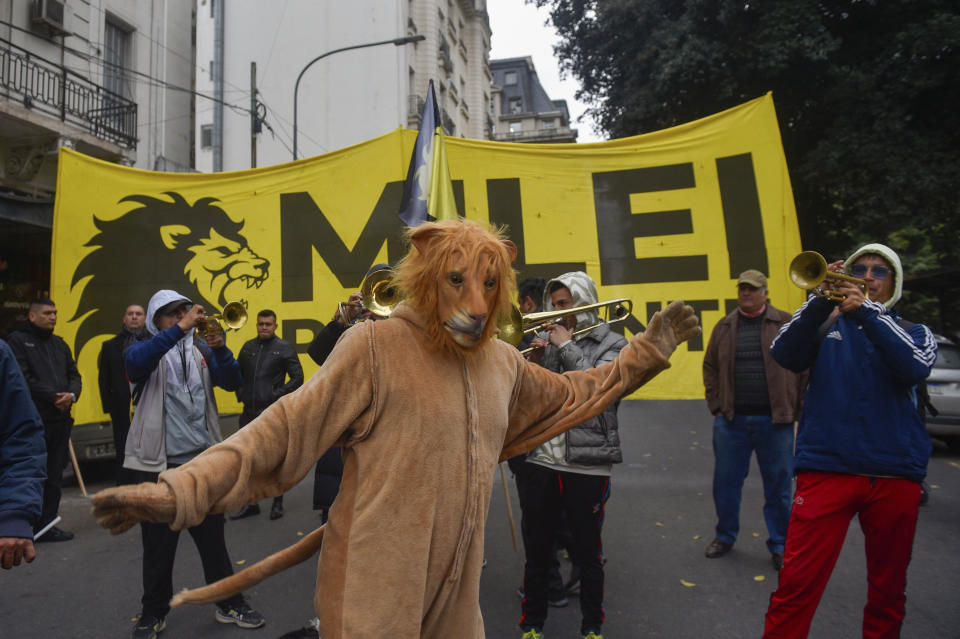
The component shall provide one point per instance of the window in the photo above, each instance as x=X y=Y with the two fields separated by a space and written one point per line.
x=550 y=124
x=516 y=105
x=516 y=127
x=510 y=78
x=206 y=136
x=116 y=59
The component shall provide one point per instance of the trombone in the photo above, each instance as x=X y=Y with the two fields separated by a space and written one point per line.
x=516 y=326
x=234 y=315
x=808 y=270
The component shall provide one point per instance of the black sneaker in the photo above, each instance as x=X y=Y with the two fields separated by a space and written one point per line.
x=148 y=627
x=55 y=534
x=242 y=615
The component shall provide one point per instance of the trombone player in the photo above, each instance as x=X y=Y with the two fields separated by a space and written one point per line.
x=347 y=314
x=570 y=473
x=862 y=448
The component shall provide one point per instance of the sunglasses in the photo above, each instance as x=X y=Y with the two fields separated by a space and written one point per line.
x=879 y=271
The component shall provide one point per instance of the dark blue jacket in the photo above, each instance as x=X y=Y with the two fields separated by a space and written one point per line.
x=860 y=415
x=143 y=357
x=23 y=454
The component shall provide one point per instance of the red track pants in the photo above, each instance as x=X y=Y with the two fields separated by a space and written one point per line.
x=823 y=505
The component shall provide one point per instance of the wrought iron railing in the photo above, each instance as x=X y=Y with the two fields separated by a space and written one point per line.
x=55 y=90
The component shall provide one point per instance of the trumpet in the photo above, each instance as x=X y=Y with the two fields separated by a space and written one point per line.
x=234 y=315
x=808 y=270
x=516 y=326
x=377 y=295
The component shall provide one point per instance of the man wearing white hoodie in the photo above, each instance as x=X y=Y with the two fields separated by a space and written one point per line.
x=176 y=419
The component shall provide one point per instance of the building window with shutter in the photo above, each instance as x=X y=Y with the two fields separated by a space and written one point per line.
x=206 y=136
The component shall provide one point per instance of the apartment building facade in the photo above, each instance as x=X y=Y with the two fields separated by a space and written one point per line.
x=521 y=109
x=109 y=78
x=345 y=97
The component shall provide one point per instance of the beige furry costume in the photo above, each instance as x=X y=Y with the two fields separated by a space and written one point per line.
x=396 y=562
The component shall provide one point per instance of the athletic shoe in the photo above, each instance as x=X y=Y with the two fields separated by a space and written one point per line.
x=593 y=635
x=148 y=627
x=242 y=615
x=531 y=633
x=56 y=534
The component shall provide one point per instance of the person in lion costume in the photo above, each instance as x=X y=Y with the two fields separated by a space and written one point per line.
x=424 y=406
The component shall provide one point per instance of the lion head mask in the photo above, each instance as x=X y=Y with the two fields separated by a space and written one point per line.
x=458 y=276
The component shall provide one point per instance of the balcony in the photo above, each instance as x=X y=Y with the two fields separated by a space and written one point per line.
x=49 y=88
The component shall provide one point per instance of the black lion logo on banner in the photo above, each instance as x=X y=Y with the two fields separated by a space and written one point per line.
x=196 y=250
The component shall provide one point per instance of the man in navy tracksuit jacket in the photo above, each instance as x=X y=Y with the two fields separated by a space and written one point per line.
x=862 y=448
x=23 y=460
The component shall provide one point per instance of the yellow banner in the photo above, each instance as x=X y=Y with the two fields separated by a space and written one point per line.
x=672 y=214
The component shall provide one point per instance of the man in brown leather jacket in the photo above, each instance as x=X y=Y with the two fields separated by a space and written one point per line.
x=755 y=403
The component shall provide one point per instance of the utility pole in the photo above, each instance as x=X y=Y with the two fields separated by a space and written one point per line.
x=254 y=118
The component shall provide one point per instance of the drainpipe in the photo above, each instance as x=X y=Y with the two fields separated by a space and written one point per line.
x=218 y=8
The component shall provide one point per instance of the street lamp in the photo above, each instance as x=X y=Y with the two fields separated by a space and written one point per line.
x=296 y=87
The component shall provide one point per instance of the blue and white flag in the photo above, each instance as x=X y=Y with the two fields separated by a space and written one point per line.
x=428 y=191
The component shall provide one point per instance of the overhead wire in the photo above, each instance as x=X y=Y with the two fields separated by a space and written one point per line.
x=148 y=80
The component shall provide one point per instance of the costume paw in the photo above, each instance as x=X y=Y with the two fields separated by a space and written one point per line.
x=669 y=327
x=118 y=509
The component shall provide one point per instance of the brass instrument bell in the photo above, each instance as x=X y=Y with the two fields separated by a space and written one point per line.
x=808 y=270
x=234 y=315
x=378 y=294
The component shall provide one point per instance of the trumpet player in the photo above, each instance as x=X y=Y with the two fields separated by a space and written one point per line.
x=862 y=448
x=175 y=420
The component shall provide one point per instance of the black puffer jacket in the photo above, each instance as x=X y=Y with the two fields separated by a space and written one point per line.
x=264 y=364
x=48 y=367
x=597 y=440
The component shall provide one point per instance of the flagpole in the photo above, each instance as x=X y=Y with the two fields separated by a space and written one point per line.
x=296 y=87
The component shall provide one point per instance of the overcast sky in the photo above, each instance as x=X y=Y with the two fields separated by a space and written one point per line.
x=519 y=30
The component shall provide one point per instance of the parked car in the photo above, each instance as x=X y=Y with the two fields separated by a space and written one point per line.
x=943 y=385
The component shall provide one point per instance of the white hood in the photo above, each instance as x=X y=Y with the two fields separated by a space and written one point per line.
x=890 y=256
x=160 y=299
x=583 y=292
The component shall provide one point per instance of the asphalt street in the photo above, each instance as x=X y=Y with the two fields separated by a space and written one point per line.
x=660 y=518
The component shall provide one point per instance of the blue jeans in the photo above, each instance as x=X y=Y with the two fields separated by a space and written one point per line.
x=733 y=443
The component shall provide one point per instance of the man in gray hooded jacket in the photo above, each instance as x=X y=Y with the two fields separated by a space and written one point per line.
x=175 y=420
x=571 y=472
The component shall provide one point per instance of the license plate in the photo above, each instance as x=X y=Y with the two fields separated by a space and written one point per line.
x=101 y=450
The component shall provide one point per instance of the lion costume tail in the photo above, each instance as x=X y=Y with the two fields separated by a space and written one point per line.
x=277 y=562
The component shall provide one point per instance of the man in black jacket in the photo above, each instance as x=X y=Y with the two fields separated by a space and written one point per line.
x=54 y=382
x=265 y=362
x=114 y=387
